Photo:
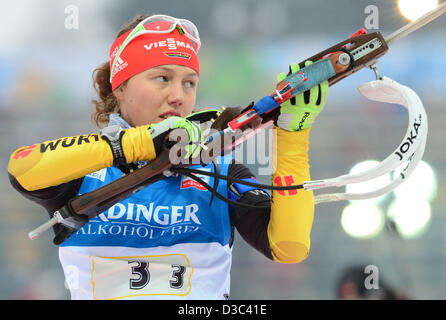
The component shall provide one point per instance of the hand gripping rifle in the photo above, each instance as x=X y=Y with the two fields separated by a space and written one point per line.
x=333 y=64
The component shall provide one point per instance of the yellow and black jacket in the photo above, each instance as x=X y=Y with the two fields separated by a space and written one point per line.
x=52 y=172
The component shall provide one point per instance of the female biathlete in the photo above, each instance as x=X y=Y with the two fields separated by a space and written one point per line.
x=166 y=241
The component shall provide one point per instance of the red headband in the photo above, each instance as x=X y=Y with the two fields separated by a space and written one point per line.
x=150 y=50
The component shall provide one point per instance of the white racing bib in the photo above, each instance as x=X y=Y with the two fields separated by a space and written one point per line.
x=193 y=271
x=137 y=276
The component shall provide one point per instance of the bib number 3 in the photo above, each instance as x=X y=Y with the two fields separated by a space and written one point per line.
x=142 y=270
x=124 y=277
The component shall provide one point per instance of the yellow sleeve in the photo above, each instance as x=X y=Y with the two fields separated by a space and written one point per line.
x=52 y=163
x=292 y=211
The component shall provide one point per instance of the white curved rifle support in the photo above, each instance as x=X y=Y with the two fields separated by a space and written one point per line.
x=411 y=148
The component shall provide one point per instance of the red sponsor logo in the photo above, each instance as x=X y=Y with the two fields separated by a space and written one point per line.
x=289 y=181
x=187 y=182
x=303 y=76
x=24 y=153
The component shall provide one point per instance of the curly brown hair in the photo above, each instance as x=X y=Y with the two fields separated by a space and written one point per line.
x=107 y=103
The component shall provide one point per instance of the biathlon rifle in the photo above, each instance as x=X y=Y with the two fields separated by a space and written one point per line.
x=333 y=64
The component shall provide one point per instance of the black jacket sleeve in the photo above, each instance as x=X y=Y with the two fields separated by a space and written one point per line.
x=252 y=224
x=52 y=199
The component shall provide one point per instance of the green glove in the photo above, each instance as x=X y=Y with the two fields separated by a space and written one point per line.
x=196 y=138
x=204 y=115
x=299 y=112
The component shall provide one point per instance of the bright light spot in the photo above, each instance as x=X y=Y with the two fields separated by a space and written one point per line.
x=362 y=220
x=411 y=217
x=413 y=9
x=368 y=186
x=422 y=183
